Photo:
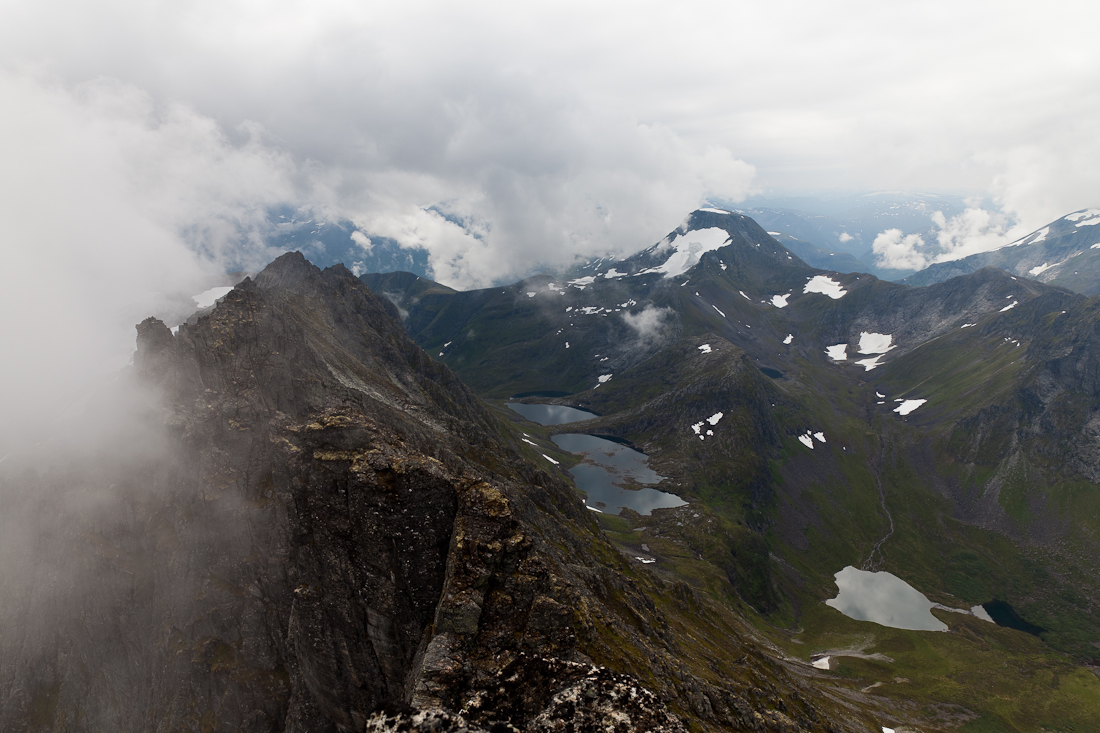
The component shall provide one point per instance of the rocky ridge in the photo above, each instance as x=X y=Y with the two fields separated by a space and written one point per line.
x=328 y=523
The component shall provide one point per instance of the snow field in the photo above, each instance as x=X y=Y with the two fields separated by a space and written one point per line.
x=826 y=286
x=875 y=343
x=687 y=249
x=908 y=406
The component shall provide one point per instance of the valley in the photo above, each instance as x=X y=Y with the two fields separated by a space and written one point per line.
x=927 y=432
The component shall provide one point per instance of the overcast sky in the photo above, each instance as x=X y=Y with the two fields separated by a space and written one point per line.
x=143 y=140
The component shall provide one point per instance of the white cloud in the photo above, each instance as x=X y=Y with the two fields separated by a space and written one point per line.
x=974 y=230
x=650 y=323
x=900 y=251
x=362 y=240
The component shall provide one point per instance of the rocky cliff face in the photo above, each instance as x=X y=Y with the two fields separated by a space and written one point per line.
x=305 y=519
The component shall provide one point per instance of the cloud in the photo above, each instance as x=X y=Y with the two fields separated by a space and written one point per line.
x=112 y=208
x=651 y=323
x=362 y=240
x=612 y=186
x=466 y=129
x=975 y=230
x=899 y=251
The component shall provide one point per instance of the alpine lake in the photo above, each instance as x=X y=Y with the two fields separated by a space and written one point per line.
x=613 y=475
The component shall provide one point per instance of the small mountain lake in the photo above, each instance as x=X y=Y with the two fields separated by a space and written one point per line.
x=885 y=599
x=551 y=414
x=608 y=469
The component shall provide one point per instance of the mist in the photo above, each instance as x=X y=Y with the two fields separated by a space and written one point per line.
x=113 y=208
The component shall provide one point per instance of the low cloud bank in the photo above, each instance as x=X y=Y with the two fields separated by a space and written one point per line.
x=113 y=208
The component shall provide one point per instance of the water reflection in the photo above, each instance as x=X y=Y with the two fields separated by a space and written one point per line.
x=608 y=469
x=884 y=599
x=551 y=414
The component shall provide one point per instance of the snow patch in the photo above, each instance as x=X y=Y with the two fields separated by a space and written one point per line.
x=908 y=406
x=807 y=441
x=580 y=282
x=614 y=273
x=780 y=301
x=550 y=459
x=836 y=352
x=1009 y=306
x=687 y=249
x=981 y=613
x=871 y=363
x=530 y=294
x=713 y=419
x=1088 y=217
x=820 y=436
x=715 y=211
x=1033 y=238
x=705 y=348
x=719 y=312
x=790 y=338
x=875 y=343
x=604 y=378
x=968 y=325
x=826 y=286
x=822 y=663
x=745 y=296
x=1040 y=268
